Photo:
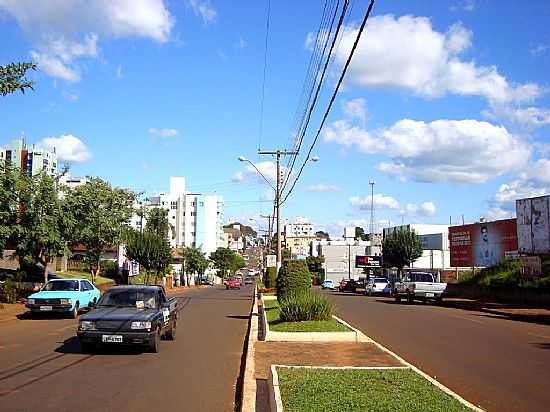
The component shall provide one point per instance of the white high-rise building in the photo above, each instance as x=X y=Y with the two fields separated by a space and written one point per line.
x=197 y=219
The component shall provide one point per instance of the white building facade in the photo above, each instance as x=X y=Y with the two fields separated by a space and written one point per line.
x=197 y=219
x=31 y=159
x=298 y=237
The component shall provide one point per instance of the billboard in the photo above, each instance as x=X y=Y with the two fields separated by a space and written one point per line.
x=533 y=227
x=270 y=261
x=368 y=261
x=482 y=244
x=432 y=242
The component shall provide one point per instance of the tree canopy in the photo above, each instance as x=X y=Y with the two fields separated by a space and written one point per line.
x=401 y=248
x=227 y=261
x=157 y=223
x=151 y=251
x=12 y=77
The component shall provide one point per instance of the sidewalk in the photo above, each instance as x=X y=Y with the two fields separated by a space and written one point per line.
x=9 y=311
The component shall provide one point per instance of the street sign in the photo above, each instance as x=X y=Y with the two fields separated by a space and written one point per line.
x=271 y=261
x=368 y=261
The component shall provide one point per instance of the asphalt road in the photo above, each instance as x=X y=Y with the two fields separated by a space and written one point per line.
x=498 y=364
x=43 y=369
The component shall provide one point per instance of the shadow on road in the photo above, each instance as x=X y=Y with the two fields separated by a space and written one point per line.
x=243 y=317
x=35 y=316
x=72 y=346
x=542 y=345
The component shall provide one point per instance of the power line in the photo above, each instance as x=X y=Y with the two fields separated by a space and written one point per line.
x=264 y=74
x=333 y=97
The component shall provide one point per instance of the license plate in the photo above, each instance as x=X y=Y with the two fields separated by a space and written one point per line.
x=111 y=338
x=429 y=295
x=46 y=308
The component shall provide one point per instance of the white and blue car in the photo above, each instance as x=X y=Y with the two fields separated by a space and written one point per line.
x=64 y=295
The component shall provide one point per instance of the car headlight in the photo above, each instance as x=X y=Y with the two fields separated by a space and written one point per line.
x=86 y=325
x=141 y=325
x=65 y=301
x=30 y=301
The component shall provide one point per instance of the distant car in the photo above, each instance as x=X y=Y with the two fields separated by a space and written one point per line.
x=377 y=286
x=232 y=284
x=248 y=280
x=327 y=284
x=64 y=295
x=239 y=278
x=344 y=285
x=130 y=315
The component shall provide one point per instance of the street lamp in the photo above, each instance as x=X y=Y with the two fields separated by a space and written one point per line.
x=244 y=159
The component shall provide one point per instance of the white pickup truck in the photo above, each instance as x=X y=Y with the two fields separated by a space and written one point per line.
x=420 y=286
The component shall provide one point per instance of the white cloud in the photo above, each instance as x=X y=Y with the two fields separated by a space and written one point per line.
x=267 y=168
x=64 y=31
x=204 y=10
x=429 y=65
x=380 y=202
x=538 y=50
x=68 y=148
x=163 y=132
x=119 y=71
x=357 y=109
x=72 y=97
x=424 y=209
x=321 y=188
x=527 y=118
x=497 y=213
x=465 y=5
x=465 y=151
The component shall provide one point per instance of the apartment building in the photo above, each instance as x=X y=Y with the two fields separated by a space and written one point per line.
x=197 y=219
x=298 y=237
x=32 y=159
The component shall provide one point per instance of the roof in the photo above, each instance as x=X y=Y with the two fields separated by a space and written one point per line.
x=135 y=287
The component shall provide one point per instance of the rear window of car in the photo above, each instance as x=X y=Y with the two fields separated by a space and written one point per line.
x=421 y=277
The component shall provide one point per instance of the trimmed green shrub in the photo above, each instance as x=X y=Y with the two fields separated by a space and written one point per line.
x=305 y=305
x=294 y=277
x=271 y=278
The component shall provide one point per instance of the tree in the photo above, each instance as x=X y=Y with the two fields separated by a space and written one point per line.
x=152 y=252
x=42 y=227
x=227 y=261
x=12 y=77
x=157 y=223
x=97 y=214
x=360 y=234
x=195 y=262
x=293 y=278
x=401 y=248
x=322 y=235
x=9 y=205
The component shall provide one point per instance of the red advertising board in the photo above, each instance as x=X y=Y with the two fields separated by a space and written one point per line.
x=482 y=244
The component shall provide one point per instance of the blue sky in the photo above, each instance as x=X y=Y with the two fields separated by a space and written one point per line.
x=445 y=105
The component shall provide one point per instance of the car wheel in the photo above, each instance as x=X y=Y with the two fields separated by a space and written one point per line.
x=74 y=312
x=410 y=298
x=439 y=300
x=171 y=335
x=155 y=345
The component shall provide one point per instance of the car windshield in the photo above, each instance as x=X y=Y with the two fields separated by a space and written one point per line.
x=139 y=298
x=59 y=285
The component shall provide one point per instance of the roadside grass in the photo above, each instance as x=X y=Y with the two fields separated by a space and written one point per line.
x=71 y=274
x=304 y=389
x=272 y=313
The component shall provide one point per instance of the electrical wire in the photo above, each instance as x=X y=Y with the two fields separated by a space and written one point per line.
x=264 y=74
x=333 y=97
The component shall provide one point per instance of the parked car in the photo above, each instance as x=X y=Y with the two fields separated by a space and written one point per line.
x=64 y=295
x=356 y=285
x=232 y=283
x=377 y=286
x=343 y=286
x=130 y=315
x=239 y=278
x=327 y=284
x=419 y=285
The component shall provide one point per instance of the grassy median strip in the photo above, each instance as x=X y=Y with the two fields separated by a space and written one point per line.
x=271 y=308
x=305 y=389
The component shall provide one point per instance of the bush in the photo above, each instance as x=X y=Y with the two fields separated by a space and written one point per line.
x=507 y=273
x=305 y=305
x=294 y=277
x=109 y=268
x=8 y=291
x=271 y=278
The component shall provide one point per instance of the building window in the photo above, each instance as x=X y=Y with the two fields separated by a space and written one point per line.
x=193 y=203
x=192 y=233
x=173 y=205
x=192 y=213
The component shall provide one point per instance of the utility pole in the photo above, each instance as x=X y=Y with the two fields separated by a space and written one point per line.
x=269 y=230
x=278 y=153
x=371 y=183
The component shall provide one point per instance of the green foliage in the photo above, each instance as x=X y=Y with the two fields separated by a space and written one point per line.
x=8 y=291
x=226 y=261
x=294 y=277
x=305 y=305
x=360 y=234
x=9 y=204
x=157 y=223
x=109 y=268
x=12 y=78
x=152 y=252
x=322 y=235
x=401 y=248
x=507 y=273
x=42 y=224
x=97 y=214
x=271 y=278
x=195 y=262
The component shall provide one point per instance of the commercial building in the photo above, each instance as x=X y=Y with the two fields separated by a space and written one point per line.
x=298 y=237
x=435 y=245
x=197 y=219
x=31 y=159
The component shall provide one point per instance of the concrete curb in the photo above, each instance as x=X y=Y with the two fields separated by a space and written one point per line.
x=248 y=403
x=353 y=336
